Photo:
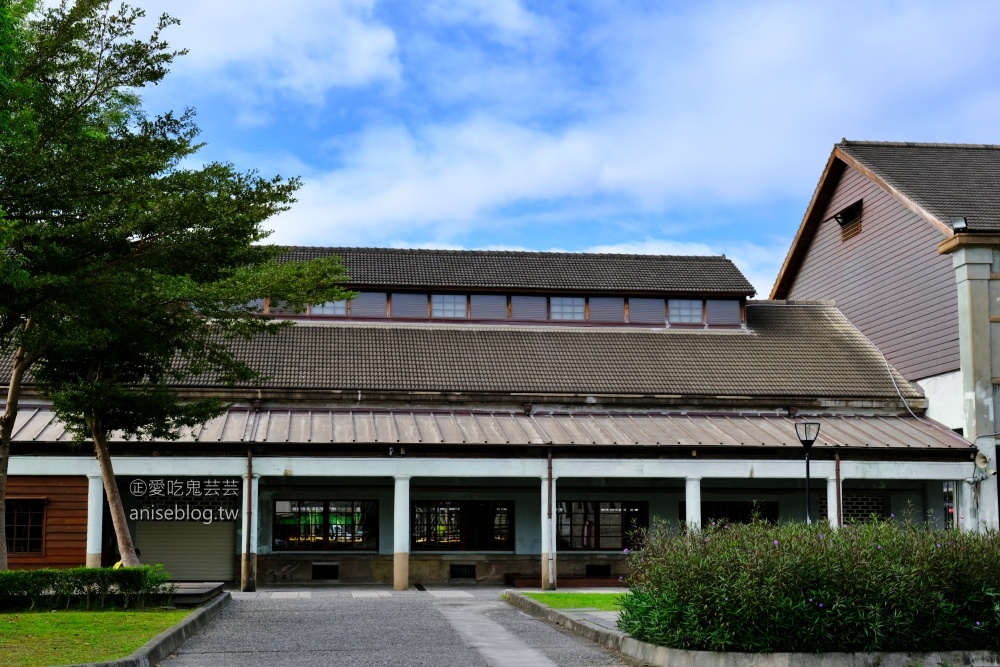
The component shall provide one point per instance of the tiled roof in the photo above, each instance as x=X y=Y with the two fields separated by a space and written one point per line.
x=948 y=180
x=510 y=270
x=790 y=350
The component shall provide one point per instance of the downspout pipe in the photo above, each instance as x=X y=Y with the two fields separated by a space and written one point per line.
x=248 y=569
x=552 y=531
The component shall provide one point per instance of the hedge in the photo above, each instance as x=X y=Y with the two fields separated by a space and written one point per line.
x=761 y=588
x=84 y=586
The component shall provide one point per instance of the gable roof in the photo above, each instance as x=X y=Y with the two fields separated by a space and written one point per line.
x=790 y=350
x=946 y=180
x=937 y=181
x=552 y=271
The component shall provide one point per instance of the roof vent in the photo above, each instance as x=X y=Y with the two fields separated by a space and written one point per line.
x=849 y=220
x=960 y=224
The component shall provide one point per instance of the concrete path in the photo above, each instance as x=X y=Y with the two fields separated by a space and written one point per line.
x=440 y=627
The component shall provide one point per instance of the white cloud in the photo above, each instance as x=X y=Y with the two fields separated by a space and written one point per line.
x=258 y=48
x=442 y=179
x=734 y=103
x=506 y=16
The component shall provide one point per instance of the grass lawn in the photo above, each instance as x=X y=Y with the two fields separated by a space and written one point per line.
x=601 y=601
x=42 y=638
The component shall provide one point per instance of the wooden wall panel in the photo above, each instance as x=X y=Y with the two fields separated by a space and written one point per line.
x=889 y=280
x=65 y=520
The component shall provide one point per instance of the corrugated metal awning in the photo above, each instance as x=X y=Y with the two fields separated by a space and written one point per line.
x=411 y=427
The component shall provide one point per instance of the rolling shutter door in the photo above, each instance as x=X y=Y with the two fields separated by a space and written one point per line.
x=723 y=312
x=528 y=308
x=189 y=550
x=412 y=306
x=607 y=309
x=646 y=311
x=489 y=307
x=368 y=304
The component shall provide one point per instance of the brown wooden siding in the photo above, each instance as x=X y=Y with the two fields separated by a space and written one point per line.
x=889 y=280
x=65 y=520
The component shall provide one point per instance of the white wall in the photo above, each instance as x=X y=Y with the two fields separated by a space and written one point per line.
x=944 y=398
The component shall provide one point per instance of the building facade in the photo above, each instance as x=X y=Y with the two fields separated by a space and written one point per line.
x=905 y=238
x=499 y=416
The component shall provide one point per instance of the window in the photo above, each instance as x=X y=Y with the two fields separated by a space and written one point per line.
x=567 y=307
x=448 y=305
x=489 y=306
x=412 y=306
x=257 y=305
x=645 y=311
x=280 y=308
x=949 y=505
x=849 y=220
x=733 y=511
x=609 y=309
x=338 y=308
x=463 y=525
x=527 y=307
x=862 y=508
x=685 y=311
x=723 y=312
x=599 y=525
x=369 y=304
x=325 y=525
x=24 y=526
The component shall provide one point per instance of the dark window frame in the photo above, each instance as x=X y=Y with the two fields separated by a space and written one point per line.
x=599 y=532
x=448 y=302
x=849 y=218
x=675 y=310
x=24 y=526
x=466 y=525
x=330 y=538
x=568 y=307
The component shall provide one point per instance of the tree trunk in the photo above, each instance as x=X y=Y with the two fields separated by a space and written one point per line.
x=125 y=546
x=4 y=461
x=22 y=361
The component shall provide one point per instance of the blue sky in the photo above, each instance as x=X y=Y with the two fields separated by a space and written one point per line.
x=603 y=125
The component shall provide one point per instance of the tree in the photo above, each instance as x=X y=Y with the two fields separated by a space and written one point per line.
x=104 y=233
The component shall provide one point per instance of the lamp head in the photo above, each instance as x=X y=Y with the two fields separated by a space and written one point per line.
x=960 y=224
x=807 y=432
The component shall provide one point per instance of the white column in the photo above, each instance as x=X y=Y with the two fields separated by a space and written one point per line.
x=401 y=534
x=832 y=498
x=251 y=519
x=973 y=273
x=692 y=499
x=250 y=523
x=549 y=570
x=985 y=488
x=95 y=520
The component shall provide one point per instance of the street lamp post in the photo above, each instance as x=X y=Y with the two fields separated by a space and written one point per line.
x=807 y=432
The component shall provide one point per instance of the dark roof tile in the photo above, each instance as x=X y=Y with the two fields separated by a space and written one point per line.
x=790 y=350
x=948 y=180
x=511 y=270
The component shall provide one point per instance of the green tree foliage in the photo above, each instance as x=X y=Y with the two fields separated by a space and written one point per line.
x=123 y=268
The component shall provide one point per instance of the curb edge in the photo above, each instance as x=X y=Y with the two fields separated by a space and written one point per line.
x=168 y=641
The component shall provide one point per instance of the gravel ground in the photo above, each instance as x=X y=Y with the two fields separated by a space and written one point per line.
x=440 y=628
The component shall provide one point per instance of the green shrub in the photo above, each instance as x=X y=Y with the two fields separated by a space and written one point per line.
x=759 y=588
x=84 y=586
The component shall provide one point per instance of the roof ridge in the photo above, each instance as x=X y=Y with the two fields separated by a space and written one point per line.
x=452 y=251
x=791 y=302
x=917 y=144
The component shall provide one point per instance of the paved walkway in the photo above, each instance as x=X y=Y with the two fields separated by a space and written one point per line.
x=440 y=627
